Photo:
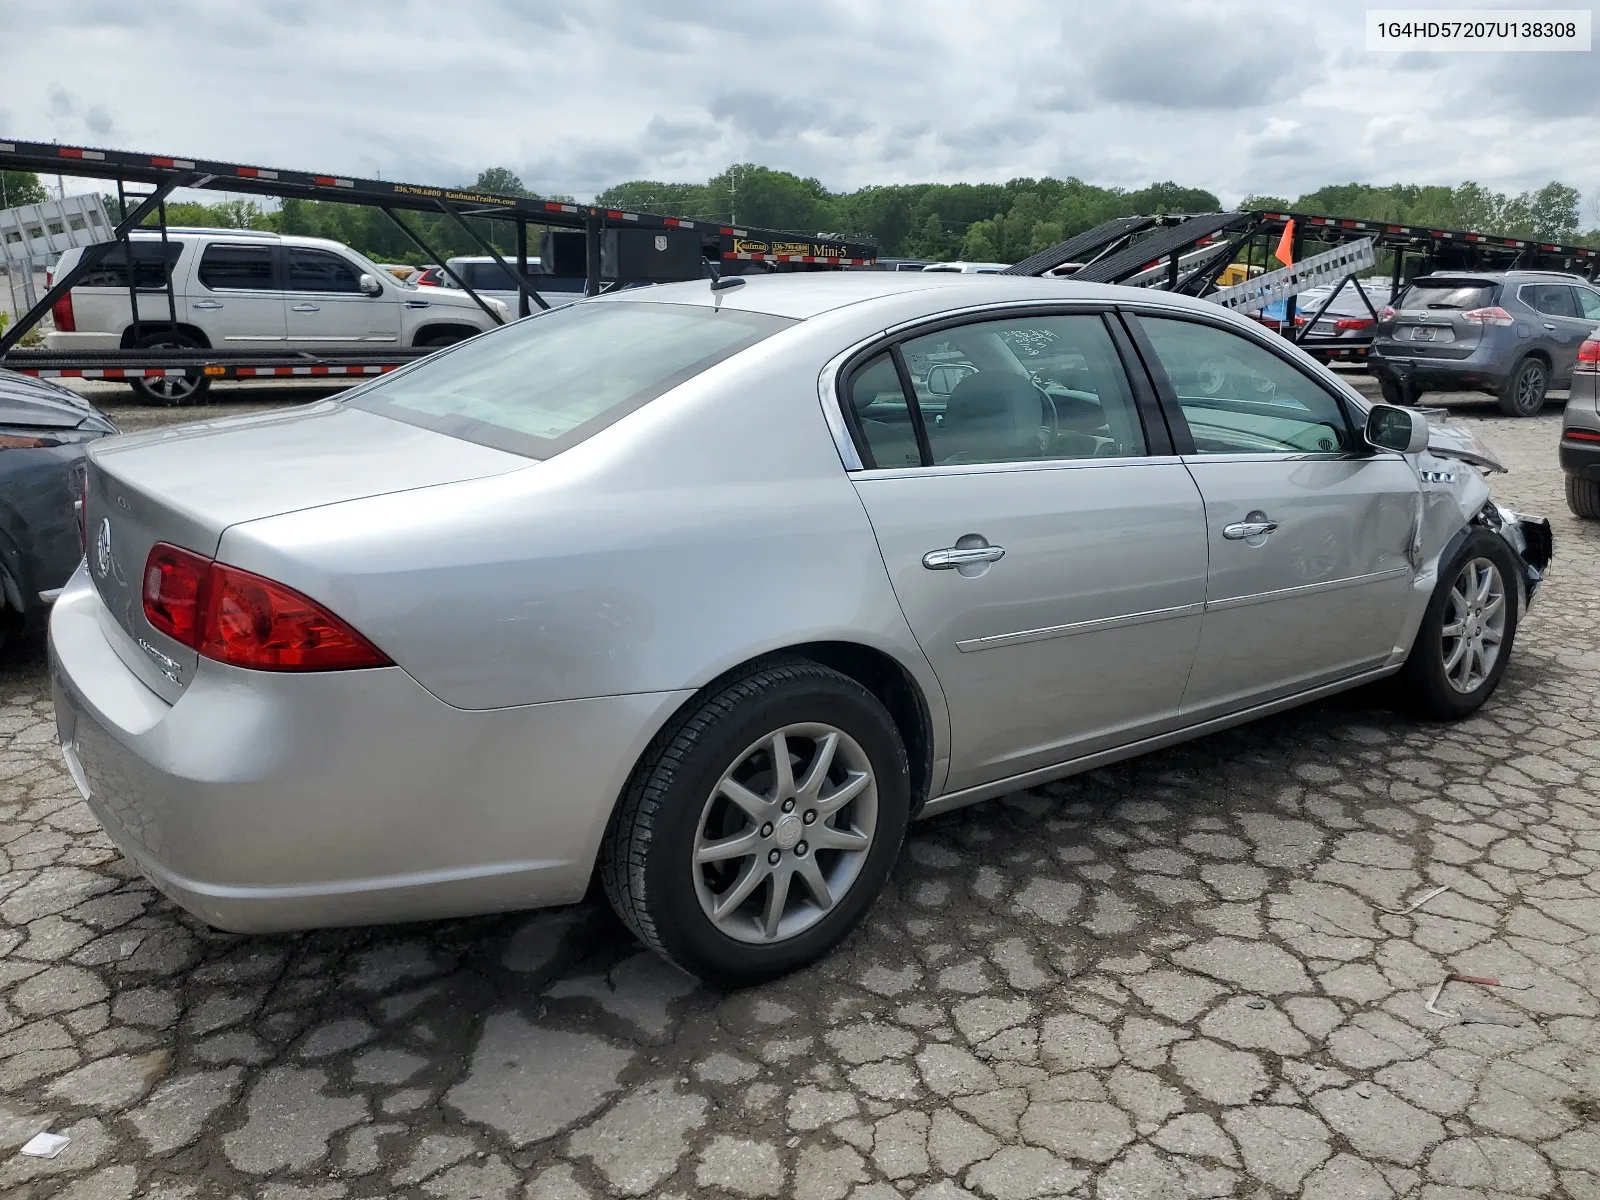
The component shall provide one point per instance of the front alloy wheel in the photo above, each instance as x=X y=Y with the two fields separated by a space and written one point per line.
x=785 y=833
x=1475 y=625
x=1464 y=641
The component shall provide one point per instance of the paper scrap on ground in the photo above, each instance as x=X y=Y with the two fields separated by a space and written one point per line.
x=45 y=1145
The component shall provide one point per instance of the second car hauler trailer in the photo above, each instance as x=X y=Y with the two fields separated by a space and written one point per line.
x=607 y=248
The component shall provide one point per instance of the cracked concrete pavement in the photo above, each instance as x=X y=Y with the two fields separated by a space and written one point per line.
x=1177 y=977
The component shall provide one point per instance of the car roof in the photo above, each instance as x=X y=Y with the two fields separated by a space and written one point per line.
x=1502 y=276
x=221 y=234
x=803 y=295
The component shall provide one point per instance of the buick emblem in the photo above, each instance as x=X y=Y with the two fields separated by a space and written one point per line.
x=102 y=547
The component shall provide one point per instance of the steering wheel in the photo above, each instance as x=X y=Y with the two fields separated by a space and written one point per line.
x=1055 y=419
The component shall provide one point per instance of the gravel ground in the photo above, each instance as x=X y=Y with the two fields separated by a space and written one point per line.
x=1177 y=977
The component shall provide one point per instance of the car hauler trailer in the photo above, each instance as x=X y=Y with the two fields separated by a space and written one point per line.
x=607 y=248
x=1188 y=252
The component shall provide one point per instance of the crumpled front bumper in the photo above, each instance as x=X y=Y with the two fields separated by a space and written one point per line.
x=1529 y=537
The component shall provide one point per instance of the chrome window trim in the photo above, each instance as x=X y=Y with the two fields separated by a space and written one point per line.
x=1027 y=464
x=1305 y=589
x=971 y=645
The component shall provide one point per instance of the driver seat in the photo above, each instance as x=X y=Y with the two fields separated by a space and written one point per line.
x=991 y=416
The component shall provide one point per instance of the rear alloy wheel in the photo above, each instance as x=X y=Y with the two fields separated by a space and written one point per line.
x=759 y=828
x=1524 y=391
x=1466 y=635
x=1583 y=497
x=171 y=390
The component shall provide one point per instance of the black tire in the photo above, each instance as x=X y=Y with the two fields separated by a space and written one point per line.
x=1395 y=392
x=647 y=859
x=1423 y=682
x=1583 y=497
x=171 y=390
x=1523 y=395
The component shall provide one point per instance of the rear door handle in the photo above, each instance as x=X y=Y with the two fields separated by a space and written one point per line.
x=950 y=558
x=1549 y=326
x=206 y=304
x=306 y=308
x=1254 y=526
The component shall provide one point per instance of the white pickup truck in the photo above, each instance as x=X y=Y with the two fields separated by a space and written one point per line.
x=241 y=289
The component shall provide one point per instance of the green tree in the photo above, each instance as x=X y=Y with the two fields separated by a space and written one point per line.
x=500 y=181
x=21 y=187
x=1554 y=211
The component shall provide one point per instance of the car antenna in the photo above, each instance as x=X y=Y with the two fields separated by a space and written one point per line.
x=718 y=283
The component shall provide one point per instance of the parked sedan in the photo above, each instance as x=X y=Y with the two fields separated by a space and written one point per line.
x=44 y=432
x=709 y=594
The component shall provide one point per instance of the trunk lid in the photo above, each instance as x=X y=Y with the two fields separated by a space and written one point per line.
x=187 y=485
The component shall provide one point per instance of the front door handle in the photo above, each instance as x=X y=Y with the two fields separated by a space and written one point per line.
x=1255 y=525
x=952 y=557
x=306 y=308
x=206 y=304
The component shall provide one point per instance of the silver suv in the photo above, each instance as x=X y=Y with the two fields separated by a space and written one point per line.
x=1513 y=334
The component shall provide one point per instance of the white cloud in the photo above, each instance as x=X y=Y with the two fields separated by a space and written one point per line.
x=1235 y=95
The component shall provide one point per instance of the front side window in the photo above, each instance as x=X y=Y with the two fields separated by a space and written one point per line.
x=1024 y=388
x=543 y=384
x=1240 y=398
x=320 y=271
x=237 y=268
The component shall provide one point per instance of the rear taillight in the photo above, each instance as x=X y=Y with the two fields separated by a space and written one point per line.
x=1588 y=356
x=245 y=620
x=174 y=591
x=1582 y=435
x=1387 y=313
x=1354 y=323
x=1489 y=316
x=61 y=314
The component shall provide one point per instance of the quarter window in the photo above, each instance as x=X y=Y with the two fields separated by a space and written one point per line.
x=1551 y=299
x=320 y=271
x=237 y=268
x=1024 y=388
x=1239 y=398
x=884 y=416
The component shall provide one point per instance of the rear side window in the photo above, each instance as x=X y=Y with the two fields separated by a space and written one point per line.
x=1552 y=299
x=1448 y=294
x=320 y=271
x=1589 y=303
x=545 y=384
x=237 y=268
x=112 y=270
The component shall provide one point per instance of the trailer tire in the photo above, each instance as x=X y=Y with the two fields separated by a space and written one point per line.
x=171 y=390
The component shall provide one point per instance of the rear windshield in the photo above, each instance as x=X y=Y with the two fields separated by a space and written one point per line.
x=1448 y=293
x=548 y=382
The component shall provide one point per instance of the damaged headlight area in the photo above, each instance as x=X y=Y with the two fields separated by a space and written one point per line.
x=1530 y=537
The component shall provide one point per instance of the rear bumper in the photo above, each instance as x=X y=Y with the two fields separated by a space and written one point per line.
x=1483 y=372
x=1580 y=459
x=262 y=801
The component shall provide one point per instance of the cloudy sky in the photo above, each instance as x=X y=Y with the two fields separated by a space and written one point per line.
x=574 y=95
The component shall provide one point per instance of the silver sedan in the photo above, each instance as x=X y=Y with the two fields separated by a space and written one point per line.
x=712 y=589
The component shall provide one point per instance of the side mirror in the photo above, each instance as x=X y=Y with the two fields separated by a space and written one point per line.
x=942 y=379
x=1392 y=428
x=370 y=285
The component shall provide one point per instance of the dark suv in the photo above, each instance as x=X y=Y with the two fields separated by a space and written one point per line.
x=1513 y=334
